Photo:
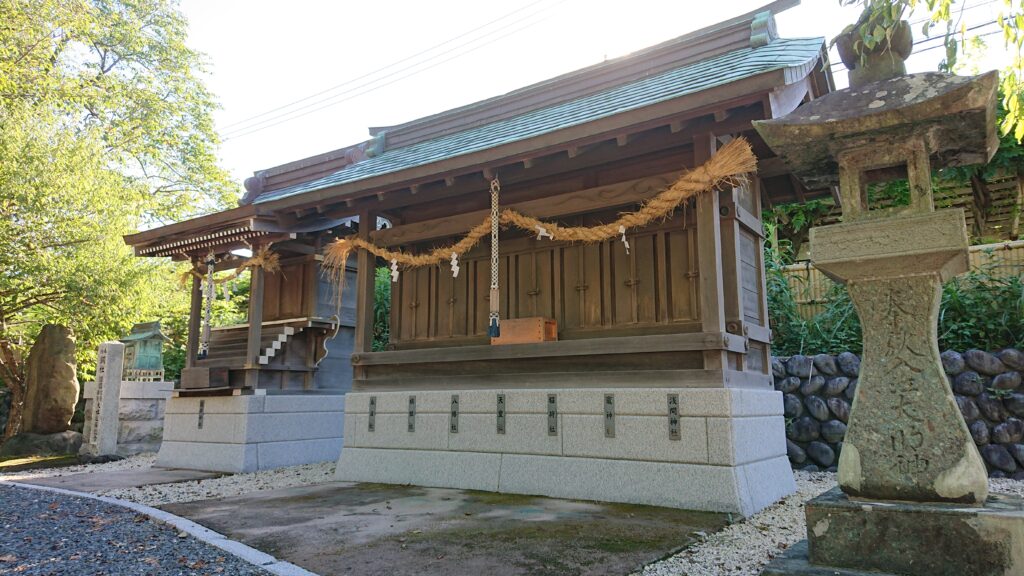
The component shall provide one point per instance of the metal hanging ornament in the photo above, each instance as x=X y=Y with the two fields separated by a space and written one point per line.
x=494 y=327
x=210 y=292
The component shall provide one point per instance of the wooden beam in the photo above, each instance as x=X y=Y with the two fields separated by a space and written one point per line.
x=194 y=312
x=709 y=248
x=565 y=204
x=365 y=275
x=694 y=341
x=255 y=332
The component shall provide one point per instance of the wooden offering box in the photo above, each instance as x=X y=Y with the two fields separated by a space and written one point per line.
x=526 y=330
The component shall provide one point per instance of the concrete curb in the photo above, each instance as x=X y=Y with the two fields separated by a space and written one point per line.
x=198 y=531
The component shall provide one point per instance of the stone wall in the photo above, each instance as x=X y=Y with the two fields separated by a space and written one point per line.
x=818 y=394
x=141 y=409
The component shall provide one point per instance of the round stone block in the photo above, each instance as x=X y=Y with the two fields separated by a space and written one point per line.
x=952 y=362
x=817 y=407
x=849 y=363
x=825 y=364
x=799 y=366
x=840 y=408
x=968 y=383
x=984 y=363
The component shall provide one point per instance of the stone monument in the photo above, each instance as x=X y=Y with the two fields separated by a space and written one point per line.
x=51 y=387
x=913 y=488
x=102 y=424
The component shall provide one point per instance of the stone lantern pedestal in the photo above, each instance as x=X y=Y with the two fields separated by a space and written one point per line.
x=913 y=489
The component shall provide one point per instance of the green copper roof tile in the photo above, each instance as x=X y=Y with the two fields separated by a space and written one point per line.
x=788 y=54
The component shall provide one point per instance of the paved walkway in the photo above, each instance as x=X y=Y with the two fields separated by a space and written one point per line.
x=99 y=481
x=45 y=533
x=371 y=529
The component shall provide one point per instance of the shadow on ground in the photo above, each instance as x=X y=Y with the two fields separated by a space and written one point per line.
x=368 y=529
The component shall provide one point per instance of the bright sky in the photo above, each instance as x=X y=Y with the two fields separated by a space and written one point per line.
x=321 y=72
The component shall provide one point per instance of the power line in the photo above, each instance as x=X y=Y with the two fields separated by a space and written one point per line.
x=332 y=101
x=961 y=11
x=985 y=35
x=942 y=38
x=249 y=120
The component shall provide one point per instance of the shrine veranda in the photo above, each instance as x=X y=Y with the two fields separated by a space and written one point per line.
x=657 y=389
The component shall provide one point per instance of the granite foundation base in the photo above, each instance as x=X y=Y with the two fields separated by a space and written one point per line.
x=238 y=434
x=854 y=537
x=725 y=451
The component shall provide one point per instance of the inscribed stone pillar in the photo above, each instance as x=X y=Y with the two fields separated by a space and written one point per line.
x=101 y=429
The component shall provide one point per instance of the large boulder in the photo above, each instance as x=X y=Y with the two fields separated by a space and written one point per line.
x=29 y=444
x=51 y=386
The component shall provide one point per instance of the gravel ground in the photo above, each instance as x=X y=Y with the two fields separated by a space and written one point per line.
x=743 y=549
x=44 y=533
x=234 y=485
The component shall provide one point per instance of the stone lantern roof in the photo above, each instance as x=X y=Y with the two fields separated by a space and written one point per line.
x=954 y=116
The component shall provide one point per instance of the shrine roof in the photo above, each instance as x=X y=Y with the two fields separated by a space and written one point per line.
x=794 y=58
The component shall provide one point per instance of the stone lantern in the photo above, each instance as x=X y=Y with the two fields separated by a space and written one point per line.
x=913 y=489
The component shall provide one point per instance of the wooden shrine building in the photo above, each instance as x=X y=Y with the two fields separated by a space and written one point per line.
x=678 y=317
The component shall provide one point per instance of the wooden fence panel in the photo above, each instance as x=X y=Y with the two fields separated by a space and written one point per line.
x=810 y=287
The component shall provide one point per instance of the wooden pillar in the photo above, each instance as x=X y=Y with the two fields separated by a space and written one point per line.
x=194 y=318
x=732 y=266
x=252 y=350
x=365 y=273
x=709 y=256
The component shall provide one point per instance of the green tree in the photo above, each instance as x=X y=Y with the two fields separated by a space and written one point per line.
x=105 y=127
